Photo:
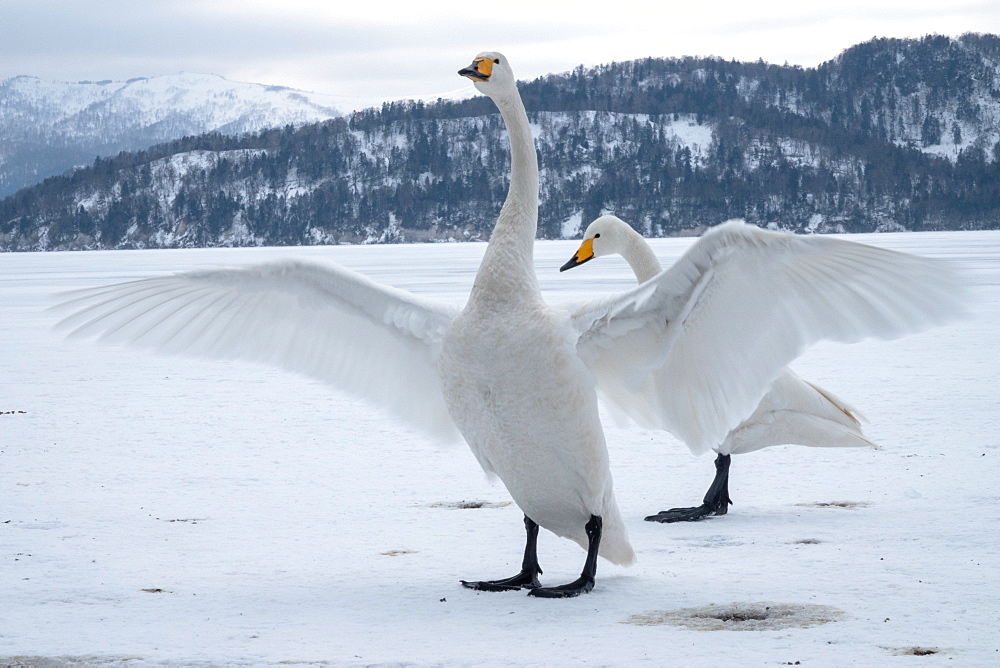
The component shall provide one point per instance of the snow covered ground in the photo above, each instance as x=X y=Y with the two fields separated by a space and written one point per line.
x=169 y=511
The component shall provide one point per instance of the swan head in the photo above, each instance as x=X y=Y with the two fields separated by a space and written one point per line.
x=604 y=236
x=491 y=74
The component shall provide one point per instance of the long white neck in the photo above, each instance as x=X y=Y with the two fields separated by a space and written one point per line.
x=508 y=270
x=636 y=251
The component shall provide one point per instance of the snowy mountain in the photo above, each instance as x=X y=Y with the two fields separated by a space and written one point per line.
x=50 y=127
x=891 y=135
x=939 y=95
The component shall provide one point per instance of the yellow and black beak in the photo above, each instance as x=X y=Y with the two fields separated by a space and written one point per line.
x=584 y=253
x=479 y=70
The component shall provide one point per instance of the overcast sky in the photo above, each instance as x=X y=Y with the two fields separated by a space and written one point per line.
x=377 y=49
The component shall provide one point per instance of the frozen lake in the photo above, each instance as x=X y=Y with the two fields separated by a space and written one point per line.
x=168 y=511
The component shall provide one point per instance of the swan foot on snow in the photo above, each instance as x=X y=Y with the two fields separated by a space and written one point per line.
x=585 y=582
x=523 y=580
x=716 y=500
x=528 y=577
x=530 y=570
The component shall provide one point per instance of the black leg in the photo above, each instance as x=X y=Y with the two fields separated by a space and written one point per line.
x=716 y=501
x=585 y=582
x=528 y=577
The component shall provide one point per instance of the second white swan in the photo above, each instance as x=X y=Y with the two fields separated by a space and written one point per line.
x=793 y=411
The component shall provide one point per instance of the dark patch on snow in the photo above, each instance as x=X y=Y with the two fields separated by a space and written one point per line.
x=741 y=617
x=836 y=504
x=917 y=651
x=462 y=505
x=806 y=541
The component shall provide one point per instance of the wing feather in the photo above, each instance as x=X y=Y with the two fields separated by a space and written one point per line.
x=323 y=321
x=695 y=349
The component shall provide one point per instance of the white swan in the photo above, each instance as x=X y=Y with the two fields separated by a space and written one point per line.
x=793 y=411
x=517 y=376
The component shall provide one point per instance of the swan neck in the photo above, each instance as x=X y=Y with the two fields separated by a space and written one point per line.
x=640 y=256
x=508 y=268
x=523 y=192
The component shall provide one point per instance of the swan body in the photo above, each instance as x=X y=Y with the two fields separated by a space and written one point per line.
x=793 y=411
x=517 y=377
x=694 y=349
x=518 y=391
x=527 y=406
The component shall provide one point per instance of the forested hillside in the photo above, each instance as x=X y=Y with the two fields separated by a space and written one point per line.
x=892 y=134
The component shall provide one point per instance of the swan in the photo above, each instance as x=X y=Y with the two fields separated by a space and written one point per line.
x=793 y=411
x=504 y=371
x=516 y=377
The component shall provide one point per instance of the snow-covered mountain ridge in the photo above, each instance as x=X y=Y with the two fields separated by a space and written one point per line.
x=891 y=135
x=50 y=127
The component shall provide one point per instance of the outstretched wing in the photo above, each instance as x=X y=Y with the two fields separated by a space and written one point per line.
x=694 y=349
x=323 y=321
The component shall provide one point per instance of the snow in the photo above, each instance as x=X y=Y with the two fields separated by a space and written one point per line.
x=682 y=131
x=572 y=227
x=220 y=101
x=167 y=511
x=169 y=173
x=690 y=133
x=54 y=100
x=87 y=119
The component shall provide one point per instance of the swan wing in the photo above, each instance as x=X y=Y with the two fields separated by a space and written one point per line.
x=324 y=321
x=694 y=349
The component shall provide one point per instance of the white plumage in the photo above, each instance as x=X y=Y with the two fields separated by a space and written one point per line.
x=323 y=321
x=694 y=349
x=793 y=411
x=515 y=375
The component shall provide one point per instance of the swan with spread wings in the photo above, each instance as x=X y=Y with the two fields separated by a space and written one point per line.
x=518 y=377
x=793 y=411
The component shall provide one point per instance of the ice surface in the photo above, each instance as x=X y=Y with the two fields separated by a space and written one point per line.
x=168 y=511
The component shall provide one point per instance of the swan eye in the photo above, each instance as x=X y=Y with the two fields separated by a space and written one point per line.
x=484 y=66
x=597 y=236
x=496 y=60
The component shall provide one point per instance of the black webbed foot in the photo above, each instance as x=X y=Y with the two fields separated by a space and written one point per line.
x=523 y=580
x=528 y=577
x=530 y=570
x=682 y=514
x=716 y=500
x=581 y=585
x=585 y=582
